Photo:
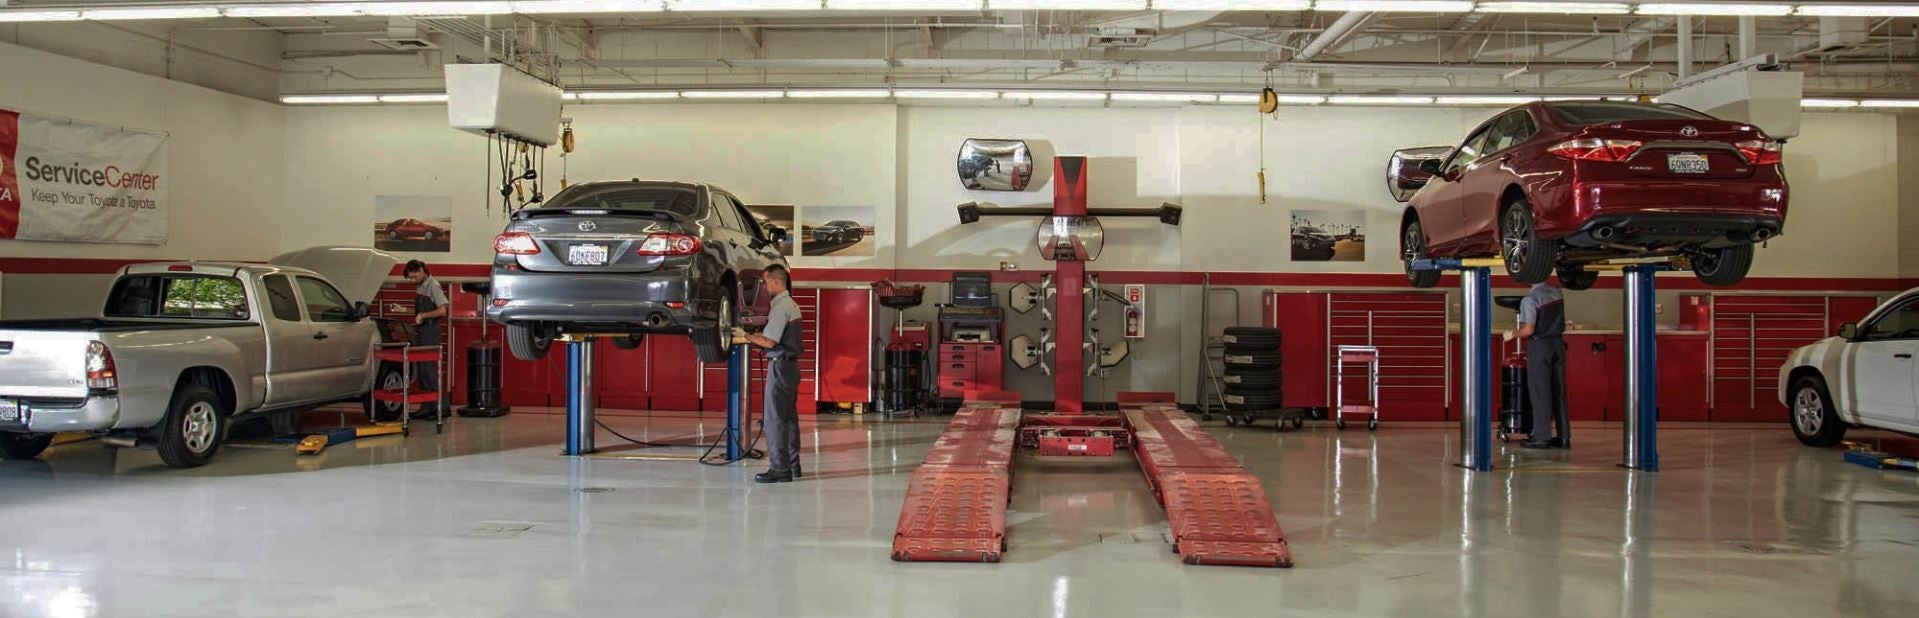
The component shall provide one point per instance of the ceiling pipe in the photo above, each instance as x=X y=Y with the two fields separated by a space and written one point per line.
x=1685 y=47
x=1348 y=24
x=1748 y=36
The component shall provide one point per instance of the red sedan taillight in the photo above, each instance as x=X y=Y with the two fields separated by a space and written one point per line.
x=516 y=243
x=1596 y=149
x=1760 y=151
x=670 y=244
x=101 y=373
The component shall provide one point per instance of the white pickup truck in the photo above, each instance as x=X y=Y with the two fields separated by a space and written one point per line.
x=183 y=349
x=1866 y=376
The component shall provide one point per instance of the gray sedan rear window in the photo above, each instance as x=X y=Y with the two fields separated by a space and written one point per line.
x=678 y=200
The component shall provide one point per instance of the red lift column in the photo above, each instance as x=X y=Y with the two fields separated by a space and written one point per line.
x=1069 y=200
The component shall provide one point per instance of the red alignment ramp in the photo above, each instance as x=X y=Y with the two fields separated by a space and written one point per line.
x=955 y=507
x=1218 y=512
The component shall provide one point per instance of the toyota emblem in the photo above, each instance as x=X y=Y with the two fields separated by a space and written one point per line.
x=1689 y=132
x=588 y=226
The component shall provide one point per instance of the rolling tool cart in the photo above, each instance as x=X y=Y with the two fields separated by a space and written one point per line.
x=1356 y=355
x=405 y=355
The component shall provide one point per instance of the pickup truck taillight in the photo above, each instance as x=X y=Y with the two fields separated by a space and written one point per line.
x=100 y=371
x=516 y=243
x=670 y=244
x=1760 y=151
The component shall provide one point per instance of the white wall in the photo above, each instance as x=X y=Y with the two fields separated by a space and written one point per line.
x=224 y=153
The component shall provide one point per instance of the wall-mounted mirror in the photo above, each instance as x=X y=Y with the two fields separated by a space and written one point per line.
x=1404 y=172
x=1004 y=164
x=1071 y=239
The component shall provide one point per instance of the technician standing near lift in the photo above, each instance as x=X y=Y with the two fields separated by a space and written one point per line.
x=1542 y=322
x=429 y=308
x=781 y=340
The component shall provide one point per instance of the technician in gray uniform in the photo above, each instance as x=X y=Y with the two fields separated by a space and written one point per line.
x=429 y=309
x=781 y=340
x=1542 y=321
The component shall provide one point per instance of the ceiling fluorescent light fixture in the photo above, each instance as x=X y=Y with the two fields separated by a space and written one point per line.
x=424 y=9
x=151 y=12
x=1702 y=9
x=38 y=16
x=537 y=7
x=1393 y=6
x=1828 y=103
x=626 y=95
x=945 y=94
x=733 y=94
x=1066 y=5
x=1239 y=99
x=303 y=9
x=1056 y=95
x=1299 y=99
x=1340 y=99
x=1824 y=9
x=1484 y=100
x=1232 y=5
x=413 y=98
x=1165 y=97
x=1561 y=8
x=743 y=5
x=904 y=5
x=328 y=99
x=1900 y=103
x=838 y=94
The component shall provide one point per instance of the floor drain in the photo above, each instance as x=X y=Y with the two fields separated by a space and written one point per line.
x=595 y=490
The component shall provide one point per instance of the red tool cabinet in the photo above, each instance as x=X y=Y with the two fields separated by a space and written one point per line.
x=975 y=367
x=1408 y=328
x=1751 y=336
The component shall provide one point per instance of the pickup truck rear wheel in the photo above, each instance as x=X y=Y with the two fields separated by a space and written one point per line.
x=528 y=342
x=23 y=445
x=194 y=427
x=1813 y=419
x=389 y=377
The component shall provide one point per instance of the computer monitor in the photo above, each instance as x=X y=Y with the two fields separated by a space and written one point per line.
x=973 y=289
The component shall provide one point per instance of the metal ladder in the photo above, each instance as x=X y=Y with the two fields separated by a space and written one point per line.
x=1212 y=350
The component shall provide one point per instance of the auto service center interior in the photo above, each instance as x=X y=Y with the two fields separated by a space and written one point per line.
x=1133 y=307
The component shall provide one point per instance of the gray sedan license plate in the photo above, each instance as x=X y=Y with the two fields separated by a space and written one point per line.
x=9 y=411
x=586 y=255
x=1687 y=163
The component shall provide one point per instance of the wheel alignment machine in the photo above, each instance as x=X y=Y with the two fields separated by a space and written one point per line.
x=955 y=505
x=1642 y=358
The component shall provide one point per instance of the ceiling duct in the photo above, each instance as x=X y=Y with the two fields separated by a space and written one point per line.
x=404 y=34
x=1120 y=38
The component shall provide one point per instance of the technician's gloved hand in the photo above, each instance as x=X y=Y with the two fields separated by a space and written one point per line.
x=1508 y=335
x=739 y=335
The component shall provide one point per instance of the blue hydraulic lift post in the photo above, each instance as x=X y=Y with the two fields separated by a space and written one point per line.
x=579 y=397
x=1642 y=368
x=1476 y=401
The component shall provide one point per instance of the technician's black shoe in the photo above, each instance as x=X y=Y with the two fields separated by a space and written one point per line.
x=1537 y=444
x=1559 y=443
x=771 y=476
x=798 y=472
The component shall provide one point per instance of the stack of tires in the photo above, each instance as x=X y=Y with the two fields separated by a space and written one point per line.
x=1252 y=373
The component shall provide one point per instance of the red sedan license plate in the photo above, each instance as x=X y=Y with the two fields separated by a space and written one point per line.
x=1687 y=163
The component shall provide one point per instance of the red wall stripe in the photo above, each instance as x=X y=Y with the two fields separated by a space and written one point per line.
x=107 y=266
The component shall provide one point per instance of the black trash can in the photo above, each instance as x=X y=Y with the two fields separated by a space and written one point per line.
x=1515 y=408
x=903 y=386
x=483 y=380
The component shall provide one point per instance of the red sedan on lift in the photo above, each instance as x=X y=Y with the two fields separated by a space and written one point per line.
x=1553 y=186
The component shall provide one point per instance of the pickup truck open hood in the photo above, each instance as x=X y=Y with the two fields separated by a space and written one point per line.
x=358 y=271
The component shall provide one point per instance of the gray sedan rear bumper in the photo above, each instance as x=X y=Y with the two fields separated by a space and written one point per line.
x=627 y=299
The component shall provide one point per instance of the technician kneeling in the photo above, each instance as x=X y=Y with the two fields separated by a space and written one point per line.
x=781 y=340
x=1542 y=321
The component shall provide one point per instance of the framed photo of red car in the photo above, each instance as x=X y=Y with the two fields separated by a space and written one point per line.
x=419 y=223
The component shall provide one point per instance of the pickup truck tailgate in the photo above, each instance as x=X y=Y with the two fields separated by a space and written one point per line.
x=43 y=364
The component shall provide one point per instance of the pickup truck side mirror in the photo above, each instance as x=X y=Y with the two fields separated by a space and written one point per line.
x=360 y=311
x=1849 y=331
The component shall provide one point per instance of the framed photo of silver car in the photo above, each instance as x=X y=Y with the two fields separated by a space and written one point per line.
x=838 y=231
x=1329 y=236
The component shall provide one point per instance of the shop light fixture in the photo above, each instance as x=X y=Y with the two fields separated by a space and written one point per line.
x=422 y=9
x=413 y=98
x=1484 y=100
x=1232 y=5
x=1165 y=97
x=905 y=5
x=1238 y=99
x=838 y=94
x=537 y=7
x=1394 y=6
x=1342 y=99
x=38 y=16
x=151 y=12
x=733 y=94
x=1055 y=95
x=1703 y=9
x=1298 y=99
x=1893 y=103
x=1066 y=5
x=624 y=95
x=1562 y=8
x=328 y=99
x=742 y=5
x=945 y=94
x=1835 y=103
x=303 y=9
x=1826 y=9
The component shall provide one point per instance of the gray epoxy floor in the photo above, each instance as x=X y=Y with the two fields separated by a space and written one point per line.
x=1742 y=522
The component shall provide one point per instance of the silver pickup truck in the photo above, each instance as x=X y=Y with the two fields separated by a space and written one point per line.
x=183 y=349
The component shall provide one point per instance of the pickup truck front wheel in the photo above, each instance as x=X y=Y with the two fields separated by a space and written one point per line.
x=195 y=424
x=23 y=445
